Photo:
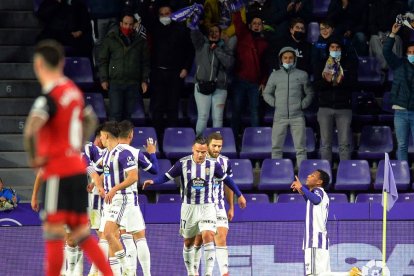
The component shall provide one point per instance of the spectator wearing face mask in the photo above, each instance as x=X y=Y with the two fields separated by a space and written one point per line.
x=402 y=91
x=289 y=91
x=335 y=80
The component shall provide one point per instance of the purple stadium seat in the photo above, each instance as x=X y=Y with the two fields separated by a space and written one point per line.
x=338 y=198
x=320 y=7
x=138 y=115
x=374 y=141
x=290 y=198
x=177 y=142
x=229 y=144
x=363 y=117
x=242 y=173
x=96 y=100
x=168 y=198
x=256 y=143
x=368 y=70
x=163 y=166
x=370 y=198
x=141 y=134
x=313 y=32
x=79 y=69
x=310 y=165
x=353 y=175
x=405 y=197
x=276 y=175
x=401 y=172
x=256 y=198
x=289 y=149
x=142 y=199
x=335 y=147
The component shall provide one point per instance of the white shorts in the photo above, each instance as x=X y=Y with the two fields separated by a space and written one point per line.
x=196 y=218
x=222 y=220
x=115 y=211
x=317 y=261
x=133 y=221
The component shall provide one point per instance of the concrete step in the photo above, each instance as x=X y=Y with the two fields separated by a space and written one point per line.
x=12 y=54
x=17 y=71
x=19 y=89
x=12 y=124
x=15 y=106
x=11 y=142
x=10 y=159
x=25 y=192
x=18 y=177
x=18 y=36
x=16 y=5
x=18 y=19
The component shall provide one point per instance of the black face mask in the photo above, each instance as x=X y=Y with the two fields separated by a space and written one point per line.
x=299 y=35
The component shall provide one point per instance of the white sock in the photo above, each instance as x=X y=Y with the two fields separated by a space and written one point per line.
x=121 y=256
x=65 y=256
x=103 y=244
x=197 y=259
x=209 y=257
x=144 y=256
x=130 y=251
x=188 y=256
x=115 y=266
x=72 y=258
x=79 y=262
x=222 y=256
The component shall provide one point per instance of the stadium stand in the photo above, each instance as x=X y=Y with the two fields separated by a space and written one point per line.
x=374 y=141
x=373 y=198
x=96 y=100
x=310 y=165
x=256 y=143
x=401 y=174
x=242 y=173
x=177 y=142
x=229 y=144
x=169 y=198
x=353 y=175
x=276 y=175
x=163 y=166
x=256 y=198
x=290 y=198
x=141 y=134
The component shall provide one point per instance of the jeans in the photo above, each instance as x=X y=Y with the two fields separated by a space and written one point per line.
x=243 y=90
x=216 y=102
x=403 y=123
x=123 y=99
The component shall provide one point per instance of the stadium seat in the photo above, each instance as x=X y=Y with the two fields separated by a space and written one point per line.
x=229 y=144
x=374 y=141
x=141 y=134
x=256 y=143
x=79 y=70
x=142 y=199
x=138 y=115
x=401 y=172
x=269 y=113
x=353 y=175
x=289 y=149
x=371 y=198
x=163 y=166
x=387 y=116
x=405 y=197
x=177 y=142
x=320 y=7
x=96 y=100
x=256 y=198
x=338 y=198
x=242 y=173
x=368 y=71
x=360 y=115
x=168 y=198
x=313 y=32
x=276 y=175
x=290 y=198
x=310 y=165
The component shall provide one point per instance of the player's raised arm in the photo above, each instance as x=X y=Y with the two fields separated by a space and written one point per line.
x=172 y=173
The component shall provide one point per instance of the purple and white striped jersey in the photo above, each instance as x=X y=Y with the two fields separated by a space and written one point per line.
x=93 y=156
x=116 y=163
x=219 y=185
x=197 y=180
x=316 y=235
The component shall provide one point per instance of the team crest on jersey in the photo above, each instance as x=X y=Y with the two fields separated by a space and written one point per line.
x=130 y=161
x=106 y=170
x=198 y=183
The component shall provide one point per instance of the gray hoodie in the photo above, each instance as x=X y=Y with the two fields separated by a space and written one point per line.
x=289 y=91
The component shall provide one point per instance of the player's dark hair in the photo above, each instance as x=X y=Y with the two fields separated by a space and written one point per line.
x=200 y=140
x=98 y=130
x=51 y=51
x=214 y=136
x=295 y=21
x=112 y=128
x=125 y=128
x=324 y=176
x=126 y=13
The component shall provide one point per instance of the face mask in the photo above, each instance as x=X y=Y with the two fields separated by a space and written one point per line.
x=165 y=20
x=299 y=36
x=287 y=66
x=126 y=31
x=410 y=58
x=335 y=54
x=255 y=34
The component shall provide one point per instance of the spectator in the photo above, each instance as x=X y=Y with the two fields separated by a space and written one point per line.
x=172 y=58
x=382 y=14
x=213 y=60
x=8 y=198
x=401 y=92
x=68 y=22
x=335 y=81
x=319 y=53
x=251 y=70
x=124 y=66
x=289 y=91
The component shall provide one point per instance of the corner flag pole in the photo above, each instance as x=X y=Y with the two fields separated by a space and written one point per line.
x=384 y=231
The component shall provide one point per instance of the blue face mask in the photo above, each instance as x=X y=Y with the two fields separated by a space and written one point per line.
x=287 y=66
x=335 y=54
x=410 y=58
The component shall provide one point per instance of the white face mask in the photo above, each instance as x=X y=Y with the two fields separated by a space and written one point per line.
x=165 y=20
x=287 y=66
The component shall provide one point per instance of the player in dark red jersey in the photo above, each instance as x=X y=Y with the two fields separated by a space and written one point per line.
x=55 y=131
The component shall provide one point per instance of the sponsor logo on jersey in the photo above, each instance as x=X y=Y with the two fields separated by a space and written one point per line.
x=198 y=183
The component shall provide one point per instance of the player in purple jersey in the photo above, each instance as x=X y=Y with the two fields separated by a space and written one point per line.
x=315 y=241
x=198 y=211
x=215 y=145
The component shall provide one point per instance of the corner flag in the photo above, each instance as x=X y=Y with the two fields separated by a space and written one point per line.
x=389 y=184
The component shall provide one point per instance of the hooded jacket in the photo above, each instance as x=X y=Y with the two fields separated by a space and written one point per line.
x=288 y=90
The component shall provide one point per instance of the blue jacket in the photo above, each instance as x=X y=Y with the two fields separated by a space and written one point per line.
x=7 y=193
x=402 y=91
